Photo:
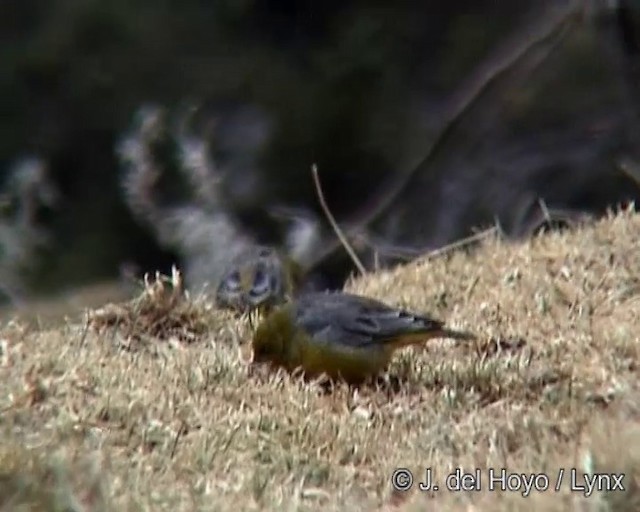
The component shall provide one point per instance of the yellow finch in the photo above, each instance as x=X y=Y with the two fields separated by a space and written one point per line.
x=340 y=334
x=259 y=279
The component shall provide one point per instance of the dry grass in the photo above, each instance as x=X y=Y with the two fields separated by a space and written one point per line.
x=177 y=422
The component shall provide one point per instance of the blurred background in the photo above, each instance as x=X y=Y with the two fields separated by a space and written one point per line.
x=135 y=135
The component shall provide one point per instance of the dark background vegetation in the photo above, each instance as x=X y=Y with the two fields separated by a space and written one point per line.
x=363 y=89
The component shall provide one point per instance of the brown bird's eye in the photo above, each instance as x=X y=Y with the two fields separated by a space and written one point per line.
x=229 y=290
x=261 y=283
x=232 y=281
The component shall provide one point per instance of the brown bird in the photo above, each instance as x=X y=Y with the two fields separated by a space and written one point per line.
x=259 y=279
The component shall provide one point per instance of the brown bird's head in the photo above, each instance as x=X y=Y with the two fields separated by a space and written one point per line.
x=257 y=280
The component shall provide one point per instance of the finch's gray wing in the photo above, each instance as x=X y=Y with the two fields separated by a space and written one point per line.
x=357 y=321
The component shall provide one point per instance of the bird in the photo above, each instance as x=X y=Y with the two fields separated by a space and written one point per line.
x=342 y=335
x=259 y=279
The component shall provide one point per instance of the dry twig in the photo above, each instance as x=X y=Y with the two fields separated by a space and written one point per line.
x=334 y=224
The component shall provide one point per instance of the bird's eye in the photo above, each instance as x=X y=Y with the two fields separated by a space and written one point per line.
x=261 y=283
x=233 y=280
x=231 y=283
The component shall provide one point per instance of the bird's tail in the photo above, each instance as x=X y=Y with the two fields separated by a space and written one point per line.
x=456 y=335
x=421 y=337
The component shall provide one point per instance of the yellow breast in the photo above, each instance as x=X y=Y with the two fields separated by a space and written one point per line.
x=352 y=364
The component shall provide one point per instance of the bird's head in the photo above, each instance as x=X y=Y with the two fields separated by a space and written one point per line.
x=254 y=282
x=273 y=337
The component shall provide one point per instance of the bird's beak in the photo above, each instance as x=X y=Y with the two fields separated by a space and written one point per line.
x=254 y=365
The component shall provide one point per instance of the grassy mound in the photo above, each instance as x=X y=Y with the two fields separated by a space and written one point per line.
x=157 y=395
